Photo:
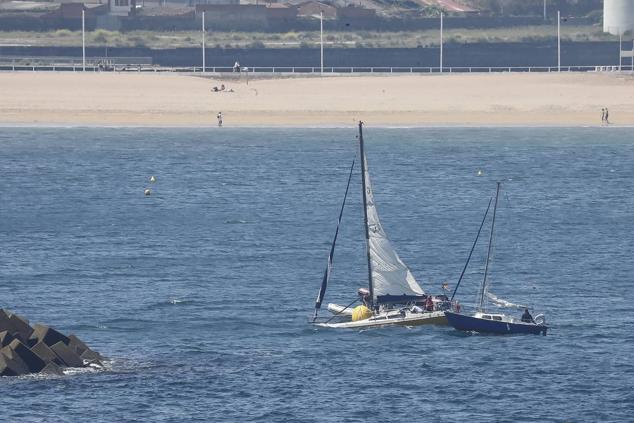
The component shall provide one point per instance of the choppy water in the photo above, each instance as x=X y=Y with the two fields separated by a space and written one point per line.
x=201 y=292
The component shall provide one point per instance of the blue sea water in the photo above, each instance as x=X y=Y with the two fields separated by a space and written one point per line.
x=200 y=294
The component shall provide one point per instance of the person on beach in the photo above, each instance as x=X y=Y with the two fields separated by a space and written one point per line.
x=219 y=116
x=607 y=121
x=236 y=66
x=602 y=116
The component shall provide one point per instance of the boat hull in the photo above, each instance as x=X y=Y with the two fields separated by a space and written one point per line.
x=475 y=324
x=432 y=318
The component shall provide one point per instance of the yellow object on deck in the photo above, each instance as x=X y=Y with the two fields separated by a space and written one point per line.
x=360 y=313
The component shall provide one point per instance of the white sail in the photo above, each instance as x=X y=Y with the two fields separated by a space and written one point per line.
x=503 y=303
x=390 y=276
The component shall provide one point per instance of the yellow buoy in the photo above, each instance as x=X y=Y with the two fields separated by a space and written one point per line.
x=147 y=192
x=152 y=178
x=361 y=313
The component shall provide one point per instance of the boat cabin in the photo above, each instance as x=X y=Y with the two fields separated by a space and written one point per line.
x=494 y=317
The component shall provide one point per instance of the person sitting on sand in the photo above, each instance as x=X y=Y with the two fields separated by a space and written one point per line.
x=222 y=87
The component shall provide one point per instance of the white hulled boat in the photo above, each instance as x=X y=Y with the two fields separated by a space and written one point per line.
x=393 y=296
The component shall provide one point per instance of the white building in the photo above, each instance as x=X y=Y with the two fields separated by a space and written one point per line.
x=618 y=16
x=120 y=7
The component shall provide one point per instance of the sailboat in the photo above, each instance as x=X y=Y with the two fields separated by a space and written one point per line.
x=484 y=321
x=393 y=296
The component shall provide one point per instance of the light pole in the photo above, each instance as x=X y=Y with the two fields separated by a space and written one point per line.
x=441 y=38
x=321 y=40
x=203 y=41
x=558 y=41
x=620 y=49
x=83 y=39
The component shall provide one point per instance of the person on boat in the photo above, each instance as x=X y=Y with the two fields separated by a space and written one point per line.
x=429 y=304
x=526 y=317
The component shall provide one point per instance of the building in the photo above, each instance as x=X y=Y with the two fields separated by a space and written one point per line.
x=314 y=8
x=355 y=12
x=121 y=7
x=618 y=16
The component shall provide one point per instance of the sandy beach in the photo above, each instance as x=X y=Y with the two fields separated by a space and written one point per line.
x=152 y=99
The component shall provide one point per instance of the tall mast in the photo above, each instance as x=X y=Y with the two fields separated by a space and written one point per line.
x=486 y=267
x=365 y=212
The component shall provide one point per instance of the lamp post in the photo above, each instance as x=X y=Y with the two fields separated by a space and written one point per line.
x=321 y=41
x=83 y=39
x=620 y=49
x=441 y=38
x=203 y=27
x=558 y=41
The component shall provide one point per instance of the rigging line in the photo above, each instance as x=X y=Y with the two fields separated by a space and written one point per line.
x=464 y=269
x=324 y=282
x=342 y=310
x=486 y=266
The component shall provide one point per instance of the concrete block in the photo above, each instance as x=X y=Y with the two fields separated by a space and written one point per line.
x=68 y=356
x=6 y=369
x=45 y=353
x=52 y=369
x=77 y=345
x=14 y=363
x=5 y=338
x=91 y=355
x=48 y=335
x=20 y=327
x=33 y=362
x=5 y=321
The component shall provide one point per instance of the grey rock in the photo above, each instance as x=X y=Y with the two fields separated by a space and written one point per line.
x=33 y=362
x=52 y=369
x=45 y=353
x=48 y=335
x=5 y=338
x=68 y=356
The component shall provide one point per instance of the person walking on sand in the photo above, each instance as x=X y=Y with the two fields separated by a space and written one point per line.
x=219 y=116
x=602 y=115
x=607 y=120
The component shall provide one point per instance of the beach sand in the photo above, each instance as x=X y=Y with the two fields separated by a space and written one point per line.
x=159 y=99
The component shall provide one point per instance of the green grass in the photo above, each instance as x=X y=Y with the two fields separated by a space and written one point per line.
x=155 y=39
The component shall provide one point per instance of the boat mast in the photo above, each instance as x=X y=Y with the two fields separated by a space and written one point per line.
x=365 y=213
x=486 y=267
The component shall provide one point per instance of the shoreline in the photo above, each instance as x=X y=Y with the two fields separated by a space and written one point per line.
x=45 y=125
x=60 y=99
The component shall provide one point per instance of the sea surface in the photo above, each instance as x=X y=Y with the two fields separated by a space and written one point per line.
x=200 y=294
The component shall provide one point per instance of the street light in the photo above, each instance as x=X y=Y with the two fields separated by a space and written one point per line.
x=203 y=26
x=321 y=38
x=441 y=38
x=83 y=39
x=558 y=41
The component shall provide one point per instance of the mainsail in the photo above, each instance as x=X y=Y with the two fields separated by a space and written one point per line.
x=390 y=276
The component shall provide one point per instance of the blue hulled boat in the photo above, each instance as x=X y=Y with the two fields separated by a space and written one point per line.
x=486 y=322
x=493 y=323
